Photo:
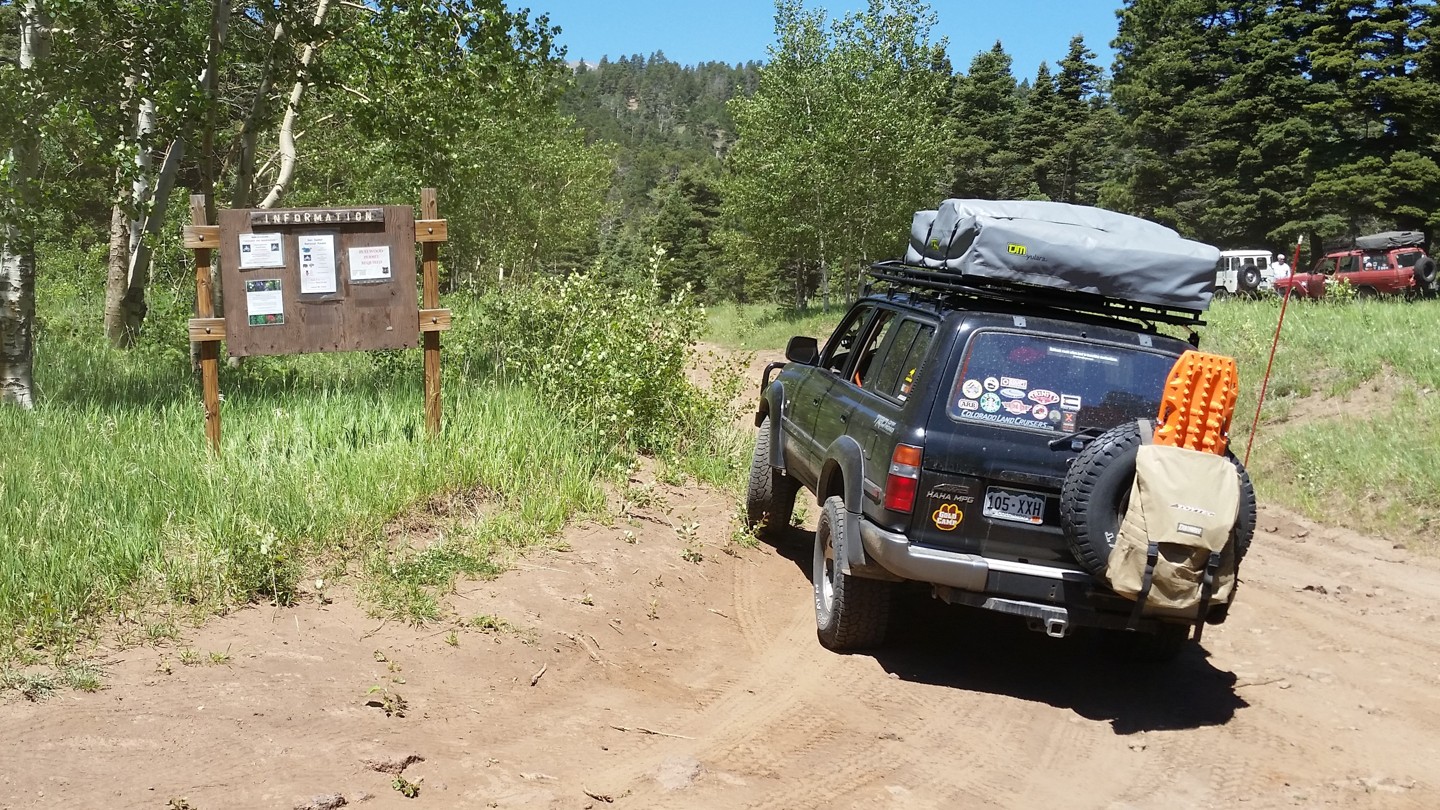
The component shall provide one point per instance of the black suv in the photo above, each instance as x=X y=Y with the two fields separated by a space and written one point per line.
x=936 y=428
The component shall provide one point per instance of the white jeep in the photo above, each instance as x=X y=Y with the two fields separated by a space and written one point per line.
x=1244 y=272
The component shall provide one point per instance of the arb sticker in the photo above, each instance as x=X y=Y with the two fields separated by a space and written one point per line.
x=947 y=517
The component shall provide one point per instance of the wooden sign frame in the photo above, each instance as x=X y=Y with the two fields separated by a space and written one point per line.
x=268 y=310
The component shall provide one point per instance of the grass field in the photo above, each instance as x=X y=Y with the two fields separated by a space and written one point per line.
x=1350 y=430
x=112 y=507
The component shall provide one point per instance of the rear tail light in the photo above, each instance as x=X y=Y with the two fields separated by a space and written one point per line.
x=904 y=478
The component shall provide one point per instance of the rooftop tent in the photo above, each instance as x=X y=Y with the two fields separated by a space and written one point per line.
x=1067 y=248
x=1390 y=239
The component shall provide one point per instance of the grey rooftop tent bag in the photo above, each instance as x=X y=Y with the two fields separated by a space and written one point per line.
x=1064 y=247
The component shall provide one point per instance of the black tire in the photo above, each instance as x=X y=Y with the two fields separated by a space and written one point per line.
x=1425 y=277
x=1096 y=492
x=851 y=613
x=1249 y=280
x=1366 y=293
x=770 y=496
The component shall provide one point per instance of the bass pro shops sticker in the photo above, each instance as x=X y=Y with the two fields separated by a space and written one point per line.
x=947 y=517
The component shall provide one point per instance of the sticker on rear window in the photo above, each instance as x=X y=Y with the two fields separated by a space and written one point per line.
x=1069 y=402
x=1039 y=411
x=992 y=384
x=1013 y=393
x=1043 y=396
x=1108 y=359
x=968 y=405
x=1014 y=382
x=1016 y=407
x=990 y=403
x=972 y=389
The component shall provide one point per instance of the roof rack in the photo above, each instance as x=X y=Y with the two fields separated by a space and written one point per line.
x=952 y=285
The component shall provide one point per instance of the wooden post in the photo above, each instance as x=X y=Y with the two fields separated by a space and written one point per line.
x=430 y=299
x=209 y=349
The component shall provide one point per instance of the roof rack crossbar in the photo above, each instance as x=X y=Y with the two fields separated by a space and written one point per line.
x=910 y=276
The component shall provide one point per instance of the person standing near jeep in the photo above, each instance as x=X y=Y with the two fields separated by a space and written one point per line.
x=1280 y=266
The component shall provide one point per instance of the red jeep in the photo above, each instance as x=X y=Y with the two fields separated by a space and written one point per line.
x=1390 y=263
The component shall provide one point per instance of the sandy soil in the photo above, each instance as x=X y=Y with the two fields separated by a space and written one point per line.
x=625 y=675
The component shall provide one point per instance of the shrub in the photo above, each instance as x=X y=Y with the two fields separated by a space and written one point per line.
x=610 y=359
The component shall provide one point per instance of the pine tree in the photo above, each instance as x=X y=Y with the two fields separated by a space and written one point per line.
x=984 y=108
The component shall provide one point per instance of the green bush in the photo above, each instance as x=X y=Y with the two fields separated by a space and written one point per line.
x=612 y=360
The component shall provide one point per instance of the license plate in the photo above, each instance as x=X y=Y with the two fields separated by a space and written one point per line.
x=1021 y=507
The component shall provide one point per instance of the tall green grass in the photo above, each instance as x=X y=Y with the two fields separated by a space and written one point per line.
x=112 y=505
x=1373 y=466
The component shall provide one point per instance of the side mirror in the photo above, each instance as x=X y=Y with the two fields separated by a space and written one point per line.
x=802 y=350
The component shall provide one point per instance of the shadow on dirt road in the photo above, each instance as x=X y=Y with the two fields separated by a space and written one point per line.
x=965 y=648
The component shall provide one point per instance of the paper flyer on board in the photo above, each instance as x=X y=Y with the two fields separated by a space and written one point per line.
x=370 y=263
x=264 y=302
x=259 y=250
x=317 y=262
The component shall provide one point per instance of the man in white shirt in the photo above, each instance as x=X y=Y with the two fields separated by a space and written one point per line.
x=1281 y=268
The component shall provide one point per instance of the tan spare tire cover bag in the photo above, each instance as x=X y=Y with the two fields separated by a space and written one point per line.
x=1185 y=502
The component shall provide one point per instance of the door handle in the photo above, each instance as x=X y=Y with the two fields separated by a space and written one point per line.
x=844 y=417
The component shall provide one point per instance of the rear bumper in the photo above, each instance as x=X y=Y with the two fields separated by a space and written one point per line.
x=1054 y=597
x=895 y=553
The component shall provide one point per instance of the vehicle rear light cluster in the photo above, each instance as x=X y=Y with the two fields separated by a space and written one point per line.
x=904 y=478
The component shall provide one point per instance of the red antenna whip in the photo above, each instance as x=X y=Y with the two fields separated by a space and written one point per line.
x=1265 y=383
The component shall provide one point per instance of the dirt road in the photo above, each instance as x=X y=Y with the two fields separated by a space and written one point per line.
x=621 y=674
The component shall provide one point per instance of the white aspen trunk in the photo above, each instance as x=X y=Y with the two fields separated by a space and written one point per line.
x=250 y=131
x=292 y=107
x=132 y=306
x=17 y=243
x=144 y=164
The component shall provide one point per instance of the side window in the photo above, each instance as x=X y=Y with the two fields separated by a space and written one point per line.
x=862 y=374
x=902 y=365
x=1347 y=264
x=842 y=343
x=1326 y=266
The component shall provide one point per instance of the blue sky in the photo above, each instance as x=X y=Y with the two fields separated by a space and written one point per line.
x=692 y=31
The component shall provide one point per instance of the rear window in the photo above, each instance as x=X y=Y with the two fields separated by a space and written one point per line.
x=1055 y=385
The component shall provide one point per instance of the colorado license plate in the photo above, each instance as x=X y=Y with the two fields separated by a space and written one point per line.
x=1021 y=507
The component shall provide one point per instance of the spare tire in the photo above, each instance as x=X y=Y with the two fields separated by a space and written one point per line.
x=1425 y=274
x=1249 y=280
x=1096 y=493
